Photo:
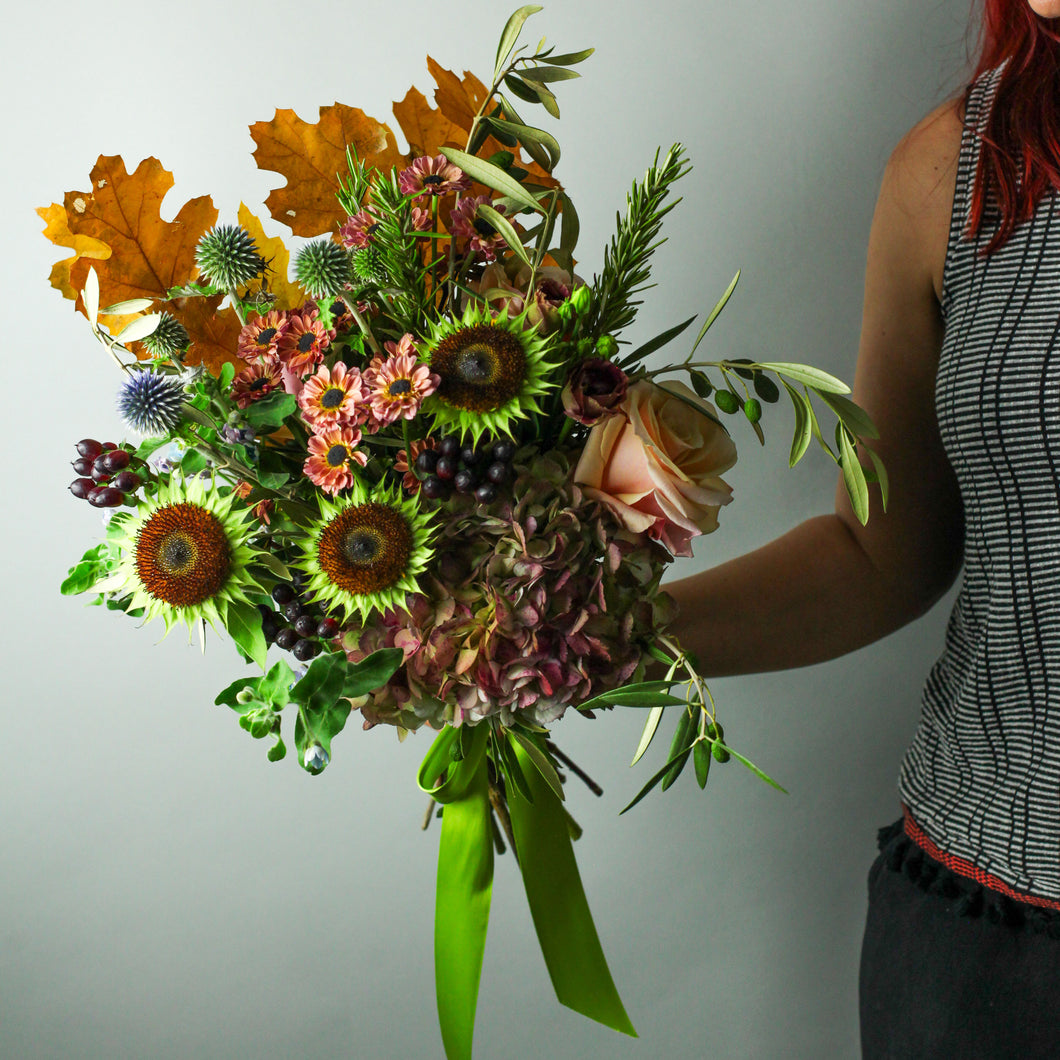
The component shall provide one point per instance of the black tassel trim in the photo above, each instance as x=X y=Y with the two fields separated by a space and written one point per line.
x=966 y=897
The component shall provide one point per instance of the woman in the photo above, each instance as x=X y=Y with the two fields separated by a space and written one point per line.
x=959 y=366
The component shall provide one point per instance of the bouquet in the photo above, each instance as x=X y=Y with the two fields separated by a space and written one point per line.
x=419 y=474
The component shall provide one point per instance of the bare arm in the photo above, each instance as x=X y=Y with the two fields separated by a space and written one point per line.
x=831 y=585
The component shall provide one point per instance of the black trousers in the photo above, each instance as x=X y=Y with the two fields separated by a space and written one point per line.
x=950 y=971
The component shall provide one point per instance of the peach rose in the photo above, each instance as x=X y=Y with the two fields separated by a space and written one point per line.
x=655 y=463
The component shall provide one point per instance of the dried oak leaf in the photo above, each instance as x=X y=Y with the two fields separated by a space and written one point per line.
x=214 y=334
x=311 y=156
x=426 y=129
x=57 y=229
x=146 y=255
x=278 y=258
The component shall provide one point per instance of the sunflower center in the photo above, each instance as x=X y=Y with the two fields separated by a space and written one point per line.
x=182 y=555
x=398 y=387
x=482 y=367
x=337 y=455
x=306 y=342
x=332 y=398
x=365 y=548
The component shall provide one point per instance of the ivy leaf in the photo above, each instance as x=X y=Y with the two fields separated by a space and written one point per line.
x=270 y=411
x=371 y=672
x=243 y=622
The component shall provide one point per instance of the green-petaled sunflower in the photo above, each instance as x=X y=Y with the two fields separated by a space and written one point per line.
x=185 y=555
x=492 y=370
x=367 y=550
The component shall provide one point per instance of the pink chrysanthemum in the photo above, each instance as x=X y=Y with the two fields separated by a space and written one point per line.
x=404 y=466
x=398 y=384
x=333 y=398
x=432 y=176
x=464 y=224
x=331 y=456
x=254 y=382
x=260 y=337
x=358 y=230
x=421 y=214
x=303 y=343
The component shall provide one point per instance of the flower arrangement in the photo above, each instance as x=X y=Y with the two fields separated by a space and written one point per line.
x=423 y=474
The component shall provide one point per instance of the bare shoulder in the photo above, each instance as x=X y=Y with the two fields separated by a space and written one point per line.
x=916 y=196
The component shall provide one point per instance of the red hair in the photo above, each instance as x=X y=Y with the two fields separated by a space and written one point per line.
x=1020 y=159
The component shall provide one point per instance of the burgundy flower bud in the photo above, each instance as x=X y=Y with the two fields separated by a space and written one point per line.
x=595 y=388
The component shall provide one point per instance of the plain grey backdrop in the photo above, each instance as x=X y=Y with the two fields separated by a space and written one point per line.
x=167 y=892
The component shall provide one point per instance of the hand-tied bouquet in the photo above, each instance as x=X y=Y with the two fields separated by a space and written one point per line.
x=425 y=468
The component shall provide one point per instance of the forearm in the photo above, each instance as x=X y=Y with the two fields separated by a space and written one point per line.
x=811 y=595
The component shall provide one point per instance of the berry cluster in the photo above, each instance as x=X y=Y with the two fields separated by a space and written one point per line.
x=480 y=470
x=297 y=627
x=105 y=476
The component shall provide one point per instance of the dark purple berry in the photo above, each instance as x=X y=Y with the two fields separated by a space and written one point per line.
x=434 y=488
x=446 y=467
x=449 y=446
x=464 y=480
x=106 y=447
x=327 y=628
x=305 y=626
x=497 y=472
x=126 y=481
x=292 y=610
x=469 y=455
x=304 y=650
x=427 y=461
x=286 y=639
x=99 y=474
x=283 y=593
x=486 y=493
x=270 y=627
x=116 y=460
x=503 y=450
x=107 y=497
x=89 y=447
x=81 y=487
x=83 y=466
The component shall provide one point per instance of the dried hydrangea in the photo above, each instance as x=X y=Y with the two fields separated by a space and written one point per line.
x=533 y=605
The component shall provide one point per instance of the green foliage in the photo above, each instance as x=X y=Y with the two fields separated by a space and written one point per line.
x=626 y=268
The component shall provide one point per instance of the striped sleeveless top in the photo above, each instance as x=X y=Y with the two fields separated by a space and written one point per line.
x=982 y=776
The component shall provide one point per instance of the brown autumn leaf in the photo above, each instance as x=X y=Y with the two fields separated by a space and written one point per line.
x=311 y=156
x=57 y=229
x=122 y=212
x=425 y=128
x=214 y=335
x=278 y=257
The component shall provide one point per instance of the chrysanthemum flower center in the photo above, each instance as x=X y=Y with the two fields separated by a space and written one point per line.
x=482 y=367
x=365 y=548
x=337 y=455
x=399 y=386
x=306 y=342
x=265 y=336
x=484 y=228
x=257 y=384
x=433 y=178
x=332 y=398
x=182 y=554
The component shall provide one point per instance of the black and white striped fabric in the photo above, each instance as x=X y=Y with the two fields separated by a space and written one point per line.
x=982 y=776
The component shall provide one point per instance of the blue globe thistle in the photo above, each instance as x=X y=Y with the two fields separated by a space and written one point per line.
x=150 y=402
x=228 y=257
x=322 y=268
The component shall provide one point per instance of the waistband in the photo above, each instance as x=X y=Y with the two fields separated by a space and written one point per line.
x=972 y=892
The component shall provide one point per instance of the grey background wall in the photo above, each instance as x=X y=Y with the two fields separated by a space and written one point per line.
x=166 y=892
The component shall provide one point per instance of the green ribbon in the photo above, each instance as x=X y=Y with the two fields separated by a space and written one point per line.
x=569 y=943
x=465 y=880
x=455 y=773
